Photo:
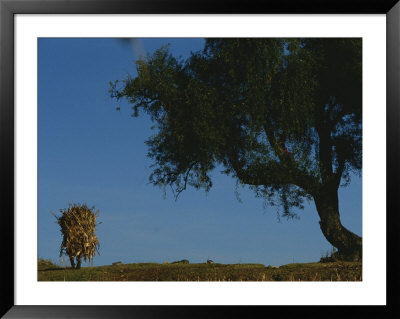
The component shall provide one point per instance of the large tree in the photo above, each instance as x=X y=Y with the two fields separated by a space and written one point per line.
x=280 y=115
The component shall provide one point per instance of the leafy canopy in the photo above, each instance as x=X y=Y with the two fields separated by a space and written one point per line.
x=281 y=115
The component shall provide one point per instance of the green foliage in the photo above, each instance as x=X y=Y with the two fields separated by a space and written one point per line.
x=281 y=115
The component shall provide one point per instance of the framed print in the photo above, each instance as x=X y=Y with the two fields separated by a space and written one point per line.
x=212 y=89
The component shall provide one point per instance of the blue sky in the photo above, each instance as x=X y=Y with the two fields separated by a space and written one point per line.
x=90 y=153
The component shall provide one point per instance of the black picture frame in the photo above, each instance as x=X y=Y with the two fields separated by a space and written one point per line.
x=8 y=8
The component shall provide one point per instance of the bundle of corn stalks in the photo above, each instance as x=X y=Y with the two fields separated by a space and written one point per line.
x=78 y=225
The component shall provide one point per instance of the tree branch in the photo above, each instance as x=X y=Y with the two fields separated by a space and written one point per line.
x=339 y=172
x=299 y=176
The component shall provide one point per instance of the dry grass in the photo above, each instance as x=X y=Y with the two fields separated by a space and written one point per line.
x=78 y=225
x=338 y=271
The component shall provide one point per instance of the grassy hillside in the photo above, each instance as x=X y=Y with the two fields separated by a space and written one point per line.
x=334 y=271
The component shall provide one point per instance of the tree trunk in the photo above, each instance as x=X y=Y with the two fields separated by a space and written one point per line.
x=349 y=245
